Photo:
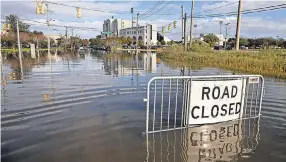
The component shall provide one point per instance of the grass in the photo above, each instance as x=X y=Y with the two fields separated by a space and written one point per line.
x=264 y=62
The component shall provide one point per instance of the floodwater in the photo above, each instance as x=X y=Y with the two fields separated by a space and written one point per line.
x=88 y=107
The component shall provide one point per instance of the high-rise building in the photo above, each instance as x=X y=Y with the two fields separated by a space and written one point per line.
x=112 y=27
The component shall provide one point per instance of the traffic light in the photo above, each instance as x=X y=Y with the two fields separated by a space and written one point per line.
x=78 y=12
x=40 y=8
x=163 y=30
x=4 y=27
x=169 y=27
x=175 y=24
x=9 y=27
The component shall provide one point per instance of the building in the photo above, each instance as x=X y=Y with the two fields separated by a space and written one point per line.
x=147 y=34
x=54 y=37
x=112 y=27
x=201 y=38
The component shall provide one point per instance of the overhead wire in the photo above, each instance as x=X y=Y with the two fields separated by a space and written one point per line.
x=228 y=4
x=144 y=17
x=91 y=9
x=261 y=9
x=152 y=8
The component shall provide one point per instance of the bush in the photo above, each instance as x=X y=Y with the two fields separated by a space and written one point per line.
x=199 y=46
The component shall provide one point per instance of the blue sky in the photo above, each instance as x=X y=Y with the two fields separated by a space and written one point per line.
x=270 y=23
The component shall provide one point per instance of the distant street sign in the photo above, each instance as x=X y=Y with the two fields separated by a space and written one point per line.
x=216 y=101
x=107 y=32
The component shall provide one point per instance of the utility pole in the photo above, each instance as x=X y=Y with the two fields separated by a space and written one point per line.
x=19 y=49
x=220 y=23
x=185 y=33
x=48 y=22
x=132 y=10
x=226 y=28
x=137 y=32
x=238 y=25
x=191 y=24
x=66 y=38
x=182 y=14
x=72 y=39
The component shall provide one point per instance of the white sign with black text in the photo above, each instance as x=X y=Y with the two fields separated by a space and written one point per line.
x=216 y=101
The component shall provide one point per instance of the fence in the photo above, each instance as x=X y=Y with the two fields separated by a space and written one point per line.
x=169 y=99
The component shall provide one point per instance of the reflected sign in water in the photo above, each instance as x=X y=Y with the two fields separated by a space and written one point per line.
x=226 y=141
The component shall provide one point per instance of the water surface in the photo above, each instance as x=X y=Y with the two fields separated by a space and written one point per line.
x=88 y=107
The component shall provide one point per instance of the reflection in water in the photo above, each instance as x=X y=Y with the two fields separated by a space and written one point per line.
x=134 y=64
x=227 y=141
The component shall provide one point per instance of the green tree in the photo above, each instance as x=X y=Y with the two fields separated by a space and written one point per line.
x=95 y=41
x=12 y=19
x=140 y=43
x=243 y=42
x=163 y=42
x=211 y=39
x=128 y=40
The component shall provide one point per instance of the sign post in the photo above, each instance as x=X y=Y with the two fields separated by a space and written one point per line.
x=216 y=101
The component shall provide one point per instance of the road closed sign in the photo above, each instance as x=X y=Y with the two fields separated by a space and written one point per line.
x=216 y=101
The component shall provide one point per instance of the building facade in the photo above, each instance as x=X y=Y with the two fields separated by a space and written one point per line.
x=147 y=34
x=112 y=27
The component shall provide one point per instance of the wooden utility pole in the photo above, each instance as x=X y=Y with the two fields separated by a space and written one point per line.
x=19 y=49
x=48 y=22
x=226 y=28
x=185 y=33
x=191 y=24
x=238 y=25
x=182 y=14
x=72 y=39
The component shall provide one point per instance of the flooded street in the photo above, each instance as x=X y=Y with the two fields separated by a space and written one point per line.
x=89 y=107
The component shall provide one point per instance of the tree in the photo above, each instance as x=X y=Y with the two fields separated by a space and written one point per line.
x=95 y=41
x=211 y=39
x=37 y=32
x=140 y=43
x=12 y=19
x=85 y=42
x=128 y=40
x=231 y=42
x=163 y=42
x=9 y=40
x=170 y=42
x=243 y=42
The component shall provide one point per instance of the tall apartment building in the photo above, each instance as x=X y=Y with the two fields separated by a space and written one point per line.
x=112 y=27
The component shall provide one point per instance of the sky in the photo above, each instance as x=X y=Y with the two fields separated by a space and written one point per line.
x=259 y=24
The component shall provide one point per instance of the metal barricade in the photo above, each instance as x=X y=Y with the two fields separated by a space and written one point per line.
x=168 y=99
x=227 y=141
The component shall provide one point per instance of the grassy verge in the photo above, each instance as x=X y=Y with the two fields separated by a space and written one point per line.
x=264 y=62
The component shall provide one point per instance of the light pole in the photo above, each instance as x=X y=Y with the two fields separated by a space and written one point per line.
x=220 y=23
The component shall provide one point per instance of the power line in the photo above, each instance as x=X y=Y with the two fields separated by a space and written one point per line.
x=91 y=9
x=144 y=17
x=262 y=9
x=152 y=8
x=216 y=8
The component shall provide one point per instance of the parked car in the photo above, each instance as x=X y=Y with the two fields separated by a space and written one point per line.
x=218 y=47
